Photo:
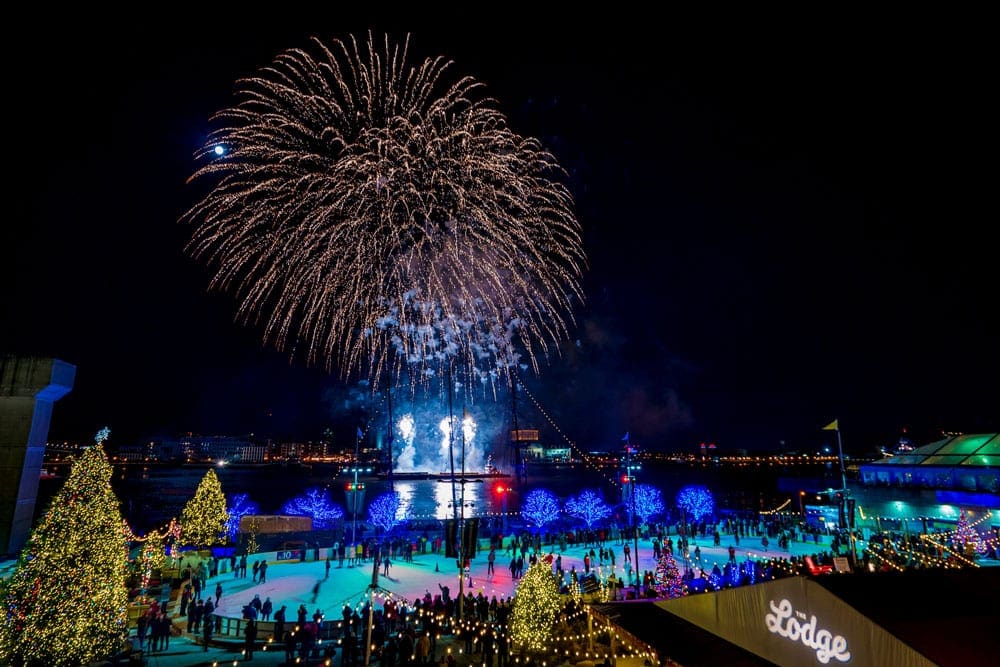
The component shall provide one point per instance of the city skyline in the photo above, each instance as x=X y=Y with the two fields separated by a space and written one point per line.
x=782 y=229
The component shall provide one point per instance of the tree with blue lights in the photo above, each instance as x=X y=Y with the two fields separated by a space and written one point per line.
x=385 y=511
x=589 y=507
x=696 y=501
x=648 y=501
x=540 y=507
x=239 y=506
x=315 y=503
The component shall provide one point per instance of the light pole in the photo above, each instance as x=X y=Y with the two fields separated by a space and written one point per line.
x=847 y=502
x=354 y=493
x=635 y=526
x=503 y=492
x=355 y=489
x=376 y=557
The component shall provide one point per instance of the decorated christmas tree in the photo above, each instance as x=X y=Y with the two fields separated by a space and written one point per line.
x=203 y=521
x=66 y=602
x=667 y=577
x=965 y=535
x=536 y=608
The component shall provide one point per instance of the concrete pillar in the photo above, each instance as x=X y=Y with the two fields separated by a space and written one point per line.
x=28 y=388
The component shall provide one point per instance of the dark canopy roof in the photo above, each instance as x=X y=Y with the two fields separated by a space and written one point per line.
x=949 y=616
x=676 y=639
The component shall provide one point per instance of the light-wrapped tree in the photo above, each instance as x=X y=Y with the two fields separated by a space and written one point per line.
x=697 y=501
x=315 y=503
x=648 y=501
x=239 y=506
x=536 y=609
x=203 y=520
x=667 y=578
x=589 y=507
x=386 y=511
x=66 y=602
x=540 y=507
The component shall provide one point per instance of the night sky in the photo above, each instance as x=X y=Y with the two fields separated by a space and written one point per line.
x=786 y=223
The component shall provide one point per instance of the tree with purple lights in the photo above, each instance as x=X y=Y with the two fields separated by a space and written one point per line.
x=540 y=507
x=648 y=501
x=385 y=511
x=965 y=535
x=667 y=578
x=239 y=506
x=589 y=507
x=315 y=503
x=696 y=501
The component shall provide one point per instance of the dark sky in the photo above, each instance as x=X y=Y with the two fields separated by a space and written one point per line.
x=788 y=220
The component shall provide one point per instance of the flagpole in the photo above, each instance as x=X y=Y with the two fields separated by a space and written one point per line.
x=635 y=524
x=354 y=503
x=390 y=436
x=844 y=492
x=840 y=455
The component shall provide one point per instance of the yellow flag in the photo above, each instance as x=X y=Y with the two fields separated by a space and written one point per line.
x=832 y=426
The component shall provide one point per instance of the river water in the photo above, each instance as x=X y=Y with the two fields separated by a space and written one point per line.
x=151 y=495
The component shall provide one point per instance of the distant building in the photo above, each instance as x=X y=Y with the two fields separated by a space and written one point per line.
x=147 y=452
x=206 y=448
x=302 y=450
x=538 y=453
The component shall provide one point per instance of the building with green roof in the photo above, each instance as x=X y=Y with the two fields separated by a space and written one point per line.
x=967 y=462
x=932 y=485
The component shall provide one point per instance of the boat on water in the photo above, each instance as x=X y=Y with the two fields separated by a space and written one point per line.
x=471 y=476
x=401 y=475
x=294 y=464
x=445 y=476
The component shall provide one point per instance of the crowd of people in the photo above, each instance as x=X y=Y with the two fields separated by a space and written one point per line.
x=404 y=631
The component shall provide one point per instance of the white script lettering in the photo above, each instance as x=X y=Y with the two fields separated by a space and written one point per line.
x=826 y=644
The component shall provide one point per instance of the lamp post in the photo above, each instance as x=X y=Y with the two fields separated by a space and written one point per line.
x=354 y=493
x=503 y=492
x=848 y=502
x=630 y=477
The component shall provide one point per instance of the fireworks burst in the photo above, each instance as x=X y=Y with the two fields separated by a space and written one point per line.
x=380 y=216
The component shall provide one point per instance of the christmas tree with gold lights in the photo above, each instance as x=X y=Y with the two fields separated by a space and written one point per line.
x=66 y=602
x=536 y=609
x=203 y=520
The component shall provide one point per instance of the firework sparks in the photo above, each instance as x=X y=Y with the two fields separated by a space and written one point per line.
x=380 y=216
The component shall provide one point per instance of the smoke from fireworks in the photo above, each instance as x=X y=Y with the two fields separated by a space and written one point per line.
x=421 y=451
x=405 y=459
x=379 y=216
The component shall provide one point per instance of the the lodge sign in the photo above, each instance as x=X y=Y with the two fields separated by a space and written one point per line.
x=785 y=622
x=795 y=622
